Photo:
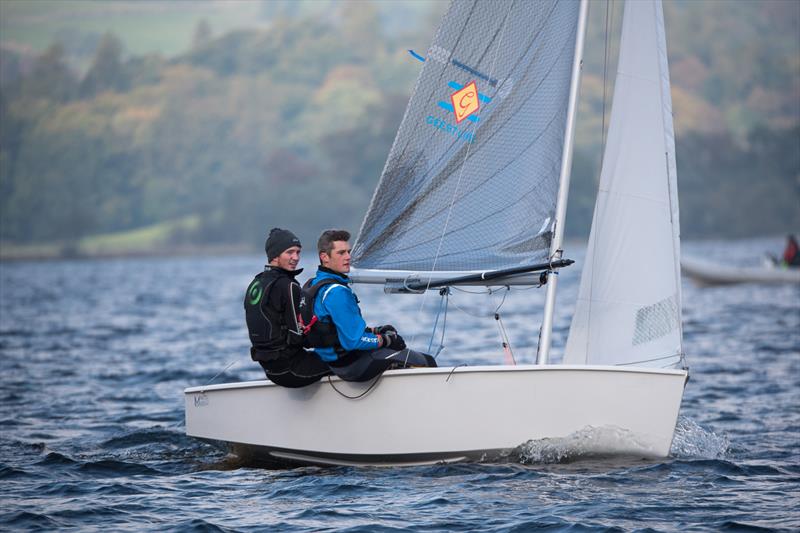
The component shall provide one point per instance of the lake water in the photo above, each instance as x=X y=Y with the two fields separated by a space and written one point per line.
x=96 y=355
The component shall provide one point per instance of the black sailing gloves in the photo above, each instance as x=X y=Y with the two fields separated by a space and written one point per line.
x=389 y=337
x=392 y=340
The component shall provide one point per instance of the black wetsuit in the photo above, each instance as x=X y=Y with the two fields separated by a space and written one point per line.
x=277 y=344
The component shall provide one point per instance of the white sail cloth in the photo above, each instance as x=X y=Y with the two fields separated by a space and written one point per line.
x=628 y=309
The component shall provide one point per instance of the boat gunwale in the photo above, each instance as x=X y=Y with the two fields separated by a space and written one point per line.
x=393 y=374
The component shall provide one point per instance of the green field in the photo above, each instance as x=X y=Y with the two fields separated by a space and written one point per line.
x=154 y=239
x=145 y=26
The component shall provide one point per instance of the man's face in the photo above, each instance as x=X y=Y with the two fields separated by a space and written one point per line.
x=339 y=258
x=288 y=260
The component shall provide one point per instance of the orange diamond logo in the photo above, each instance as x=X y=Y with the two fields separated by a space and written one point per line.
x=465 y=101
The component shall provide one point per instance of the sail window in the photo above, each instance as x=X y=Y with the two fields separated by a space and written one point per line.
x=655 y=321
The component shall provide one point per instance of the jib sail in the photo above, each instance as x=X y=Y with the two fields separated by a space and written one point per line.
x=629 y=303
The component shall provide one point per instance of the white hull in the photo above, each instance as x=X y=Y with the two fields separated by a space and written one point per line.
x=424 y=416
x=706 y=273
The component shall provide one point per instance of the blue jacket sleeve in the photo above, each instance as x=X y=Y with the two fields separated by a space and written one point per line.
x=341 y=304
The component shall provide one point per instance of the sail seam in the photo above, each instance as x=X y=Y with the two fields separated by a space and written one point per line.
x=635 y=77
x=635 y=196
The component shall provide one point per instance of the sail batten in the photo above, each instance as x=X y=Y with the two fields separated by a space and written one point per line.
x=469 y=191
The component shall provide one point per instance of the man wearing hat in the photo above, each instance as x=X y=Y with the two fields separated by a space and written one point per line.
x=270 y=306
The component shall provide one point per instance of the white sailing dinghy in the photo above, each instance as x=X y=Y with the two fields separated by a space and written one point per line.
x=707 y=273
x=474 y=191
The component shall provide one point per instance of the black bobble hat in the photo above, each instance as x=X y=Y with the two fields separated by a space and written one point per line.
x=279 y=241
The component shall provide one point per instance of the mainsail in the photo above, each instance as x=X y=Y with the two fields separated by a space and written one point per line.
x=629 y=301
x=472 y=177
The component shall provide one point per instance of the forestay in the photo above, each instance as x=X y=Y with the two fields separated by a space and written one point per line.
x=629 y=302
x=472 y=177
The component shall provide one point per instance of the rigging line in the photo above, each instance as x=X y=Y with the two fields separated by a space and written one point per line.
x=371 y=386
x=218 y=374
x=491 y=295
x=487 y=288
x=505 y=340
x=510 y=288
x=444 y=328
x=488 y=315
x=223 y=370
x=443 y=294
x=453 y=370
x=460 y=176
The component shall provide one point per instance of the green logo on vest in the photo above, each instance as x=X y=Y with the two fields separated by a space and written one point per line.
x=255 y=291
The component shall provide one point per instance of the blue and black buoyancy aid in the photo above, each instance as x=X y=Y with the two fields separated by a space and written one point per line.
x=270 y=311
x=317 y=334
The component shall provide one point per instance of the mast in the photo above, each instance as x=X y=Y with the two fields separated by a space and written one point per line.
x=545 y=337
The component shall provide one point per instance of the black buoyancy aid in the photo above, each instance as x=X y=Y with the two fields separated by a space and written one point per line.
x=269 y=333
x=317 y=334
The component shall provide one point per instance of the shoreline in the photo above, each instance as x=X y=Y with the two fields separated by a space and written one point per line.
x=55 y=253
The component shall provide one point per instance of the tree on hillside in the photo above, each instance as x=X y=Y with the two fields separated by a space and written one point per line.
x=361 y=28
x=107 y=72
x=202 y=34
x=50 y=77
x=11 y=67
x=735 y=190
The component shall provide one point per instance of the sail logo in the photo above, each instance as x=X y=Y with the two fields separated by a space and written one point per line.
x=465 y=102
x=443 y=125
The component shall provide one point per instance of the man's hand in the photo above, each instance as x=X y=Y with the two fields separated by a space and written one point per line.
x=393 y=341
x=379 y=330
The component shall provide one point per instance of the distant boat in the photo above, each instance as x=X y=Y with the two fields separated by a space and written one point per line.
x=707 y=273
x=475 y=191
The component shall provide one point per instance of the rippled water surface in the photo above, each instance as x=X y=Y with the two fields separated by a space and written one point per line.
x=96 y=355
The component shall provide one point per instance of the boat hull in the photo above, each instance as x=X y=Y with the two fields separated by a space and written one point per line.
x=705 y=273
x=424 y=416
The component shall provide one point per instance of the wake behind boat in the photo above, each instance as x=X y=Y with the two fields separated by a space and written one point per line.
x=482 y=156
